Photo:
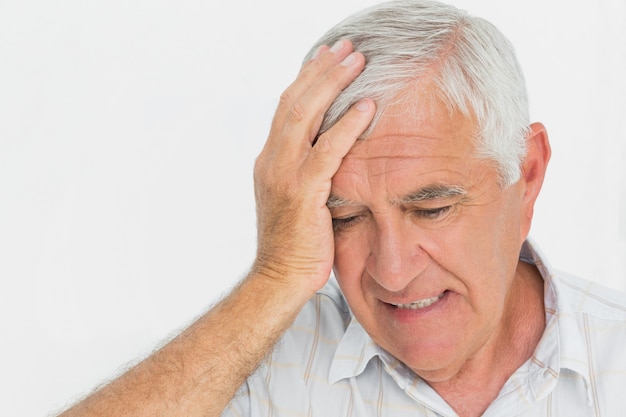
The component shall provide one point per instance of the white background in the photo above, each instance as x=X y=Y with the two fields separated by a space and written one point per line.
x=128 y=130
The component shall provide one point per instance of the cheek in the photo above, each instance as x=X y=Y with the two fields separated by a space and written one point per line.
x=499 y=248
x=492 y=228
x=481 y=248
x=348 y=251
x=351 y=253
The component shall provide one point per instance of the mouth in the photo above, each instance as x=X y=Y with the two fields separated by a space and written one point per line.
x=419 y=304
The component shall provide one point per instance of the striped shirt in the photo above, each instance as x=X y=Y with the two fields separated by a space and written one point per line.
x=327 y=365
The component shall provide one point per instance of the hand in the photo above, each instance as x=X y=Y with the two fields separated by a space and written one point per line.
x=293 y=177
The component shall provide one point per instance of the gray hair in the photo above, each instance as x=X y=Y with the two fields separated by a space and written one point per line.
x=472 y=64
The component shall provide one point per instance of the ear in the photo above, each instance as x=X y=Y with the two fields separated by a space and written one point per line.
x=533 y=171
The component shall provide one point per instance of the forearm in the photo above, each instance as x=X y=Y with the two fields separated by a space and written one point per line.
x=200 y=370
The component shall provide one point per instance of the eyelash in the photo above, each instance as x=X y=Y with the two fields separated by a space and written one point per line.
x=339 y=224
x=428 y=214
x=432 y=214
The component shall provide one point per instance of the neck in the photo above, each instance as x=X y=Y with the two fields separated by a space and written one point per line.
x=480 y=380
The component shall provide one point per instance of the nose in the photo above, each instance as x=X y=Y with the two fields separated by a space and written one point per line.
x=396 y=256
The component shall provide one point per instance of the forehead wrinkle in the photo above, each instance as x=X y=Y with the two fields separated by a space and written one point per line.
x=379 y=147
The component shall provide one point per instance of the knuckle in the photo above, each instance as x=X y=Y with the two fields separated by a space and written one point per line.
x=261 y=173
x=314 y=66
x=296 y=113
x=268 y=176
x=324 y=143
x=335 y=78
x=285 y=98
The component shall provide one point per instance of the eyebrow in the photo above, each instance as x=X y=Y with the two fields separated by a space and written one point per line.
x=428 y=193
x=431 y=192
x=335 y=201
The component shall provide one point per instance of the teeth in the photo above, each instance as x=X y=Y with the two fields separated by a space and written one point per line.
x=420 y=304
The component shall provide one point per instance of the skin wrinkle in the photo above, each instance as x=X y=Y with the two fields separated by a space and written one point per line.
x=336 y=201
x=428 y=193
x=392 y=255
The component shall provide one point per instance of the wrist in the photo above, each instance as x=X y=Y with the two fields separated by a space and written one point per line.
x=297 y=284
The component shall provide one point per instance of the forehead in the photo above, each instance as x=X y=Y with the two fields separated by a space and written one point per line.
x=418 y=125
x=417 y=144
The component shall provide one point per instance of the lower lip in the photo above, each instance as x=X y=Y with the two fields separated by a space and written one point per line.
x=405 y=314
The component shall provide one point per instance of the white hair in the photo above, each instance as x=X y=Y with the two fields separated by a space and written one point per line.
x=472 y=64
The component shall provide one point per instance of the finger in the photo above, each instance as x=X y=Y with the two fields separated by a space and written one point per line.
x=303 y=120
x=334 y=144
x=328 y=59
x=324 y=59
x=318 y=64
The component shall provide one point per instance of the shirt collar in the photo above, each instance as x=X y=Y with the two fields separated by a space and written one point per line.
x=562 y=345
x=571 y=342
x=353 y=353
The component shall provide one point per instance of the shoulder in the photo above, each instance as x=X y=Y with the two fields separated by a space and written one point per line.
x=592 y=324
x=592 y=335
x=581 y=296
x=324 y=318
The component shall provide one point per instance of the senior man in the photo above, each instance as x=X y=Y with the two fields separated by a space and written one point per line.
x=402 y=157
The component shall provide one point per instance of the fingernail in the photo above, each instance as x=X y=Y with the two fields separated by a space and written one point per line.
x=337 y=46
x=349 y=60
x=363 y=105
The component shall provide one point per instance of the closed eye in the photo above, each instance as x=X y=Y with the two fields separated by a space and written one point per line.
x=432 y=214
x=345 y=222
